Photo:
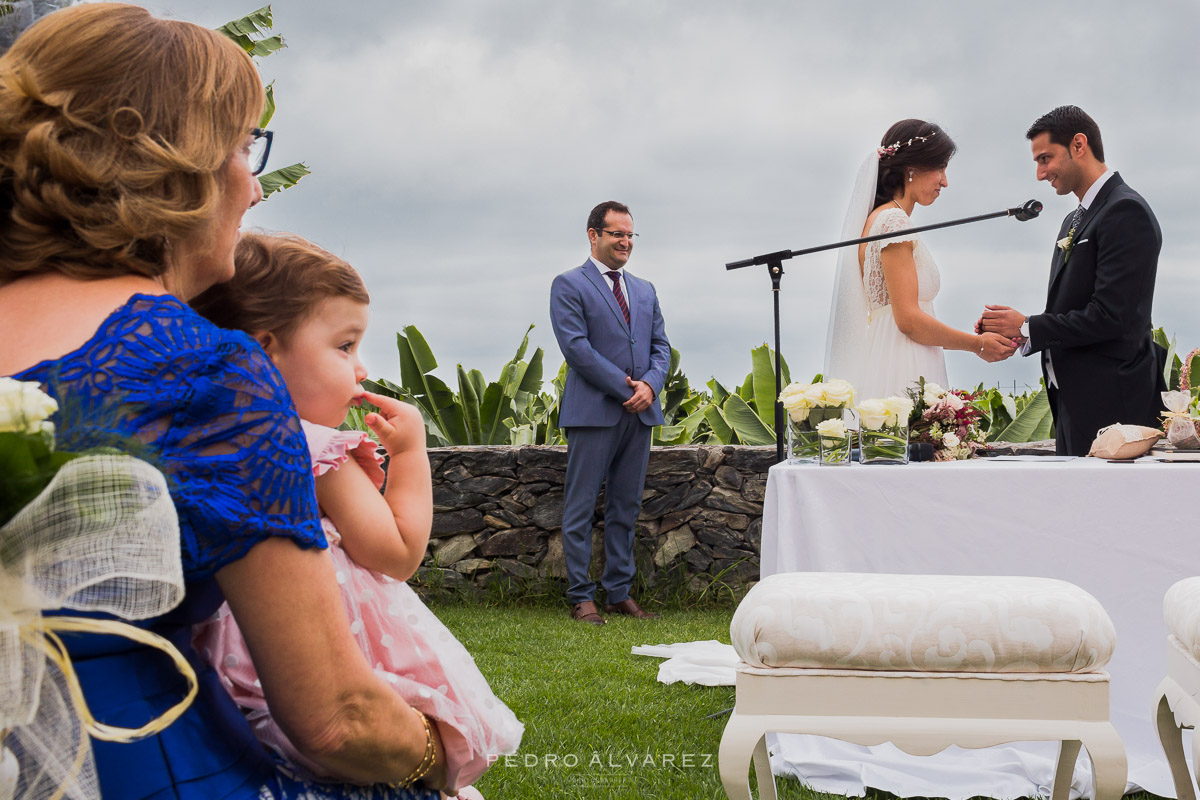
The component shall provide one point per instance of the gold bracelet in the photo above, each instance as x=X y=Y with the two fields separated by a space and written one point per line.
x=426 y=764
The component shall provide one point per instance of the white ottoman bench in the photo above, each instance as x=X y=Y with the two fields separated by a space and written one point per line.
x=1177 y=699
x=922 y=661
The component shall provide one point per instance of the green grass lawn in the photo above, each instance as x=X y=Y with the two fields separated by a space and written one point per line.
x=597 y=722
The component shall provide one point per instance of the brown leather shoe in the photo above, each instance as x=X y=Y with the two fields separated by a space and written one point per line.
x=587 y=612
x=629 y=607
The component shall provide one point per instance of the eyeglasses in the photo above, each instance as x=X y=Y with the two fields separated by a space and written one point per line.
x=620 y=234
x=260 y=148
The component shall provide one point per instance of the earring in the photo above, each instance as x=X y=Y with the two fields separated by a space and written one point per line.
x=910 y=177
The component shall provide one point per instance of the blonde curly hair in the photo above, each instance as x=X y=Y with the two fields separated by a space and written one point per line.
x=114 y=126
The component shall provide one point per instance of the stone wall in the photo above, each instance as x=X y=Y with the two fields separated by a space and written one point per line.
x=498 y=518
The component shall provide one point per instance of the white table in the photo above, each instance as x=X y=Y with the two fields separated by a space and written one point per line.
x=1124 y=532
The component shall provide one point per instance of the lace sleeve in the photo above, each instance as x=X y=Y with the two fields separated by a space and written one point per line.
x=890 y=221
x=240 y=461
x=209 y=410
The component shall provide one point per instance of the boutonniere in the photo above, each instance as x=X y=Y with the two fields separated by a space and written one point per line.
x=1067 y=244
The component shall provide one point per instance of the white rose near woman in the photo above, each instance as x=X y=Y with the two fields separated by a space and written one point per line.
x=883 y=334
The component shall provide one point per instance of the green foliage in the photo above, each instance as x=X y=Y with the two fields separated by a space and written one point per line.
x=513 y=409
x=251 y=34
x=1032 y=422
x=509 y=410
x=28 y=462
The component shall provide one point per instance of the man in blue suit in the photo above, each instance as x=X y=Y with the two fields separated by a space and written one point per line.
x=610 y=331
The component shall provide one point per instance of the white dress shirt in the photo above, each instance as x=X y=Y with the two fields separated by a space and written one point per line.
x=1088 y=198
x=603 y=270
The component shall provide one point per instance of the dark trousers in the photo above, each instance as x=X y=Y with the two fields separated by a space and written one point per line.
x=616 y=457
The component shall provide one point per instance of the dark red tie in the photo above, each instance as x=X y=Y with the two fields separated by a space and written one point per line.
x=617 y=293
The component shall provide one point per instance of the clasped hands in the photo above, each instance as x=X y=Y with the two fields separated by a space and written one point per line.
x=1000 y=327
x=642 y=396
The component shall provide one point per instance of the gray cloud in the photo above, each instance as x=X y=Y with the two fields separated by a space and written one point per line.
x=457 y=147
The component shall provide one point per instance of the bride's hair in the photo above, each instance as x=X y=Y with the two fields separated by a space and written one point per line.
x=910 y=144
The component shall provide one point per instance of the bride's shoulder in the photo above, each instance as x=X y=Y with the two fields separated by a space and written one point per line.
x=886 y=219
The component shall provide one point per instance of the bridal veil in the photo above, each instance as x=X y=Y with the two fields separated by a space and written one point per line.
x=846 y=340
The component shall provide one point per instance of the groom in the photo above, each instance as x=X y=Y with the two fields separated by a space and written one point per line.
x=1099 y=358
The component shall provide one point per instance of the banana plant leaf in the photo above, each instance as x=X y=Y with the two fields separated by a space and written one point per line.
x=1032 y=423
x=268 y=105
x=722 y=430
x=247 y=30
x=762 y=360
x=746 y=424
x=430 y=393
x=282 y=178
x=469 y=397
x=719 y=393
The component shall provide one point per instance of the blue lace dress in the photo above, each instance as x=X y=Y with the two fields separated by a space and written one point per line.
x=214 y=416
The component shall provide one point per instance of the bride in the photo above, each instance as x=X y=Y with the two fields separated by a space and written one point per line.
x=883 y=334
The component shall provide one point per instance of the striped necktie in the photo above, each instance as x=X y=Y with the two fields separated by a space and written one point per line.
x=617 y=293
x=1075 y=220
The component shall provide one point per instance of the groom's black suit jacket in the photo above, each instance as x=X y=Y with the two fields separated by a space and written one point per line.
x=1096 y=327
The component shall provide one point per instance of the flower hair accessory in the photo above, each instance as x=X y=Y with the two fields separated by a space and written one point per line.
x=891 y=149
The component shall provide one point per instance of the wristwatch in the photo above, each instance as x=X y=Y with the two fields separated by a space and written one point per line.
x=1025 y=328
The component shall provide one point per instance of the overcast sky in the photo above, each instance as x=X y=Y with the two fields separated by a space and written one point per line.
x=457 y=147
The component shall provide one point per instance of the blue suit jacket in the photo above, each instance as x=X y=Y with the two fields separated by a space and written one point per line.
x=601 y=349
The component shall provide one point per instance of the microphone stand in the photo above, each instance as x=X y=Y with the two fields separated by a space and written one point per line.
x=774 y=263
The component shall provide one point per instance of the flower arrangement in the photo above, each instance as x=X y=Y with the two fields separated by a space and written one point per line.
x=835 y=441
x=883 y=432
x=28 y=460
x=1185 y=371
x=1181 y=420
x=807 y=406
x=93 y=532
x=946 y=419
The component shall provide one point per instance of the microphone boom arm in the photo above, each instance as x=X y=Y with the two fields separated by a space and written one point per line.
x=1028 y=211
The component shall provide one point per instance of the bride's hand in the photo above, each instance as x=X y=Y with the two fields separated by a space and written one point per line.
x=993 y=347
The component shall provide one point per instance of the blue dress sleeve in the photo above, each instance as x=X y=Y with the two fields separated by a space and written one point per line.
x=205 y=406
x=239 y=458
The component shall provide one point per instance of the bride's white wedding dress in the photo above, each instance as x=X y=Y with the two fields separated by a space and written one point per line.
x=864 y=346
x=893 y=361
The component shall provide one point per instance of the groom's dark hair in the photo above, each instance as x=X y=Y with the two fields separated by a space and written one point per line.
x=910 y=144
x=1063 y=123
x=597 y=215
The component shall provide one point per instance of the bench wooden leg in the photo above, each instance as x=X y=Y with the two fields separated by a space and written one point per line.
x=1109 y=767
x=1171 y=739
x=742 y=741
x=1064 y=773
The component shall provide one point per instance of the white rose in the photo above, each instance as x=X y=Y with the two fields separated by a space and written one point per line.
x=873 y=413
x=832 y=428
x=950 y=440
x=953 y=401
x=933 y=393
x=900 y=408
x=815 y=394
x=837 y=392
x=23 y=406
x=796 y=401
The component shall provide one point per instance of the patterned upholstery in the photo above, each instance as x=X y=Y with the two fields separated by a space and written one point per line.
x=1181 y=613
x=923 y=623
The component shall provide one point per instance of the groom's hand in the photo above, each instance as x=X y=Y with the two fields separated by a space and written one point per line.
x=1002 y=320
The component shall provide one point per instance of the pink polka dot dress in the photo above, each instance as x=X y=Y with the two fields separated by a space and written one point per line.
x=401 y=638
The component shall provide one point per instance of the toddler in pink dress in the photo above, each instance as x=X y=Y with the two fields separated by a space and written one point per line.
x=376 y=541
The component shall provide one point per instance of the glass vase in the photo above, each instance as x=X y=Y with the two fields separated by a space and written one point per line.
x=804 y=445
x=884 y=446
x=835 y=450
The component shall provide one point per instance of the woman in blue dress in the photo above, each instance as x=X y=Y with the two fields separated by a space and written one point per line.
x=127 y=159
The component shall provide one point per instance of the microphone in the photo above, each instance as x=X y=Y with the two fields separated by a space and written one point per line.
x=1027 y=211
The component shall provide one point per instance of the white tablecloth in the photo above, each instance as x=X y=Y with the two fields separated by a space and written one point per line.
x=1124 y=532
